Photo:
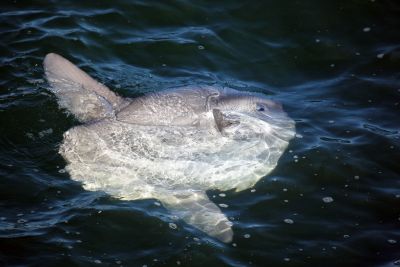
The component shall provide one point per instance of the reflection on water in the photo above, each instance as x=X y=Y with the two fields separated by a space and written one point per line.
x=333 y=199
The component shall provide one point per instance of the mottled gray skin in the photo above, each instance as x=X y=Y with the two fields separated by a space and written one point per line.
x=189 y=105
x=204 y=107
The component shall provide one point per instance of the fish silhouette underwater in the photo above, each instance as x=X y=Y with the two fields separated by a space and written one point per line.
x=171 y=145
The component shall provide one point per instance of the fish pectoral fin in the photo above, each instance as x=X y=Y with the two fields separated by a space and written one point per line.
x=79 y=93
x=196 y=209
x=221 y=121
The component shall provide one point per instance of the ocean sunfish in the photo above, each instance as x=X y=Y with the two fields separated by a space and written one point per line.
x=171 y=145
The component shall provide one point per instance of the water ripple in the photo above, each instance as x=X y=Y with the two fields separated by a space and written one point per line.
x=338 y=78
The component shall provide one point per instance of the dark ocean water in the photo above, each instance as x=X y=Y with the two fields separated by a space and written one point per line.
x=334 y=65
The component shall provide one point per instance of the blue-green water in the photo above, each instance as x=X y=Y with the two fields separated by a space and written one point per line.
x=334 y=65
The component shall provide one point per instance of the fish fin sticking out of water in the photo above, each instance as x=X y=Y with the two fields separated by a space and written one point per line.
x=79 y=93
x=197 y=210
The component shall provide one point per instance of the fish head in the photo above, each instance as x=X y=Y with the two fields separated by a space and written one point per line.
x=247 y=115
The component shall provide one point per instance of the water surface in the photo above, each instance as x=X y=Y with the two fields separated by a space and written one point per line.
x=334 y=198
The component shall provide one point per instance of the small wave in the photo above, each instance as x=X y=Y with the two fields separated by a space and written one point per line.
x=379 y=130
x=335 y=140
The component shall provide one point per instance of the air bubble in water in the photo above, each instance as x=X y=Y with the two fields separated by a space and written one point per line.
x=327 y=199
x=288 y=221
x=172 y=226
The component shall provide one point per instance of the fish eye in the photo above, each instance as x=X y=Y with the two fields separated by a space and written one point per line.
x=260 y=107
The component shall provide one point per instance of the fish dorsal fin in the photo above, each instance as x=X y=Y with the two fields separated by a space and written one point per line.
x=196 y=209
x=79 y=93
x=221 y=121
